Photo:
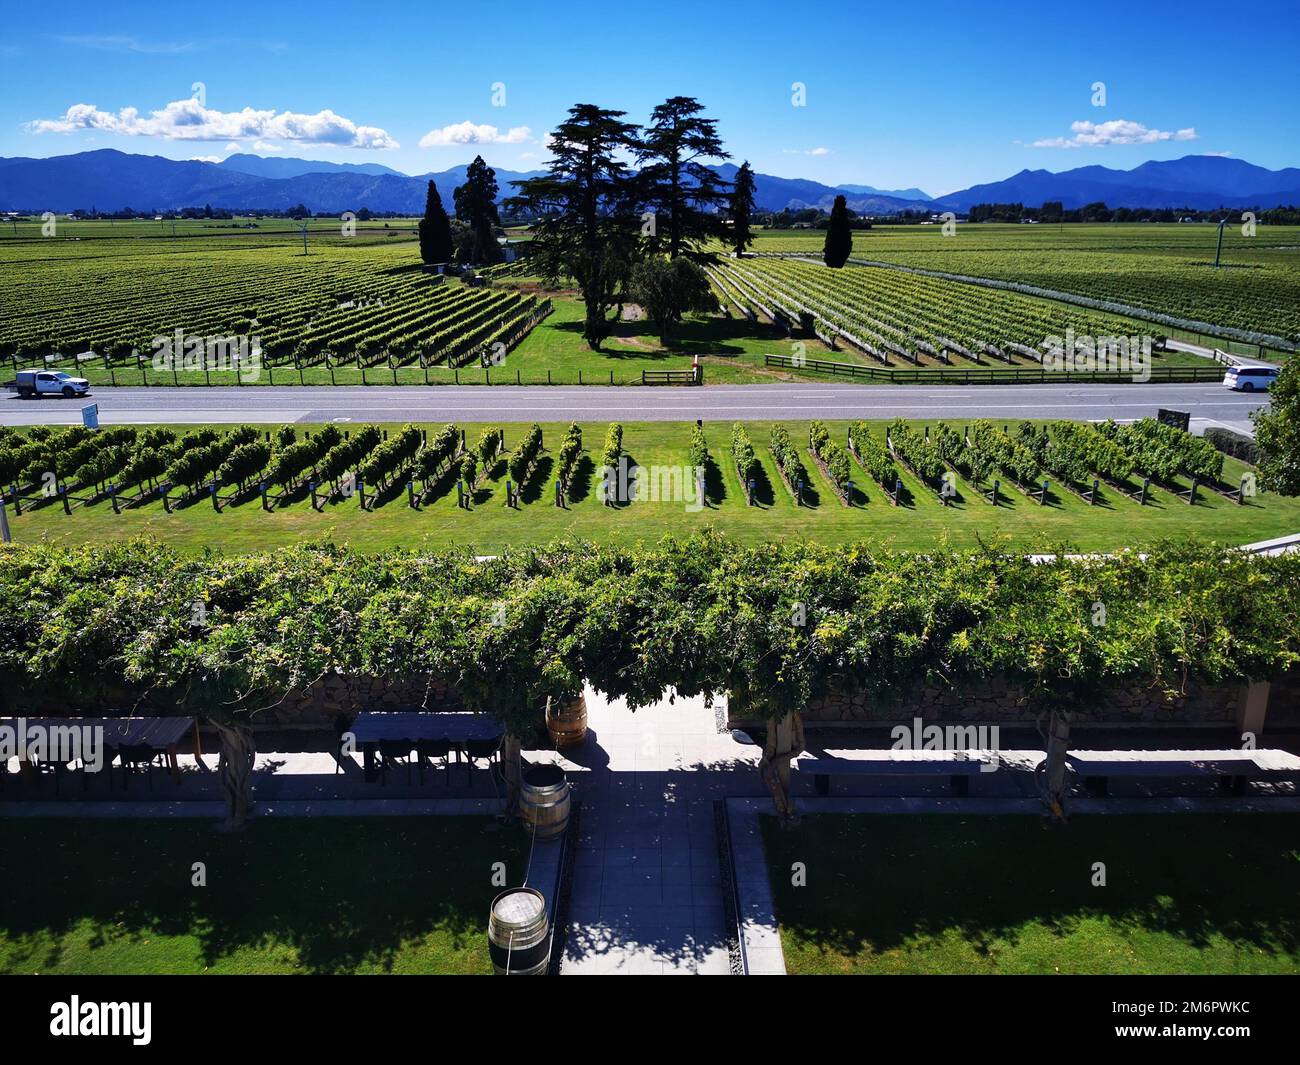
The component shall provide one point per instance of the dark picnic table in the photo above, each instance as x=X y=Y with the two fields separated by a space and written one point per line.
x=371 y=729
x=156 y=733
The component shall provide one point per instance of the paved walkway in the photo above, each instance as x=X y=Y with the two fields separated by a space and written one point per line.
x=647 y=885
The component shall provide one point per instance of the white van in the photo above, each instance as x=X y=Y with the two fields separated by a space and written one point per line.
x=1250 y=378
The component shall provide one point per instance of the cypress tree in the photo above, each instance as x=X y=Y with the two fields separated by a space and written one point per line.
x=839 y=237
x=435 y=230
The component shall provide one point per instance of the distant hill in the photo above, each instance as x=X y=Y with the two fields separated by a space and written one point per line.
x=777 y=193
x=898 y=194
x=286 y=168
x=111 y=180
x=1200 y=182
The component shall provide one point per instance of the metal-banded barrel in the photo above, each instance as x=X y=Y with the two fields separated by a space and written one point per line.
x=519 y=939
x=544 y=800
x=566 y=720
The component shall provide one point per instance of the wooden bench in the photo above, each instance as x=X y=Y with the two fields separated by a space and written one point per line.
x=957 y=766
x=1233 y=768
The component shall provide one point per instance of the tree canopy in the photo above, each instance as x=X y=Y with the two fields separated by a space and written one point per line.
x=839 y=235
x=435 y=230
x=476 y=206
x=1277 y=432
x=685 y=195
x=741 y=210
x=586 y=210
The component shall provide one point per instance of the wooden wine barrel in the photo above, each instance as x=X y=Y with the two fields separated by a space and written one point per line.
x=544 y=800
x=519 y=937
x=566 y=720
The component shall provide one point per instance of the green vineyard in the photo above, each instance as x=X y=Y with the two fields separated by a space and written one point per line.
x=904 y=319
x=122 y=303
x=1164 y=269
x=1040 y=484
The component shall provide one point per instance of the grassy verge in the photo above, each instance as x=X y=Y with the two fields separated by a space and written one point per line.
x=489 y=526
x=288 y=895
x=1189 y=894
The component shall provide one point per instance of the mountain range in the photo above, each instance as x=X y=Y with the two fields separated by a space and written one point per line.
x=110 y=180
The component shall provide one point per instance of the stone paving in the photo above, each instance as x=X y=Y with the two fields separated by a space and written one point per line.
x=647 y=892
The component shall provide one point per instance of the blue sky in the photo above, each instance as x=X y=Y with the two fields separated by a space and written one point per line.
x=940 y=96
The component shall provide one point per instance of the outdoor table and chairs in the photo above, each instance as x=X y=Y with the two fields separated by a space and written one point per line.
x=138 y=743
x=390 y=739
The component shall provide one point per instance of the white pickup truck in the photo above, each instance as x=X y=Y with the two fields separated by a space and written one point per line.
x=35 y=383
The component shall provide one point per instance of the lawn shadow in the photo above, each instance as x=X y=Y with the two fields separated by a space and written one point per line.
x=894 y=892
x=114 y=883
x=715 y=487
x=531 y=490
x=580 y=482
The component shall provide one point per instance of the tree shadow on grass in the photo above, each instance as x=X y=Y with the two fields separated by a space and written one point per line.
x=531 y=490
x=580 y=481
x=715 y=488
x=964 y=893
x=332 y=895
x=764 y=494
x=440 y=485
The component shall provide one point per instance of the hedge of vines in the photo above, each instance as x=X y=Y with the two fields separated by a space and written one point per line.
x=78 y=626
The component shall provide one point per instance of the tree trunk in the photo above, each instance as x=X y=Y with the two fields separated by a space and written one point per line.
x=785 y=742
x=236 y=768
x=1055 y=778
x=512 y=771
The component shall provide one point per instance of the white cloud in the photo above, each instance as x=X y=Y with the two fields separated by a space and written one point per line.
x=1116 y=131
x=806 y=151
x=120 y=42
x=262 y=146
x=205 y=158
x=467 y=132
x=1219 y=155
x=188 y=120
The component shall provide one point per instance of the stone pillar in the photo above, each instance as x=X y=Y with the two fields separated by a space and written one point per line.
x=1252 y=707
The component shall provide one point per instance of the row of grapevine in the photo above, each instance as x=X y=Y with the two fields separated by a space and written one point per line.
x=1164 y=452
x=293 y=461
x=390 y=458
x=1003 y=452
x=872 y=455
x=744 y=456
x=787 y=459
x=567 y=457
x=834 y=459
x=915 y=452
x=525 y=454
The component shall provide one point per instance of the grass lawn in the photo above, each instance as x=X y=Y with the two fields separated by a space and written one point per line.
x=1185 y=893
x=288 y=895
x=489 y=527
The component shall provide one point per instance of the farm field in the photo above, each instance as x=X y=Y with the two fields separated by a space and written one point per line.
x=932 y=894
x=359 y=310
x=289 y=895
x=487 y=525
x=901 y=319
x=1161 y=268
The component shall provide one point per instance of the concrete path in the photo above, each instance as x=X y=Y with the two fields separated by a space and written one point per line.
x=647 y=884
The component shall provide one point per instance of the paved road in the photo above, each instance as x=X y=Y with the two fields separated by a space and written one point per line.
x=1212 y=404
